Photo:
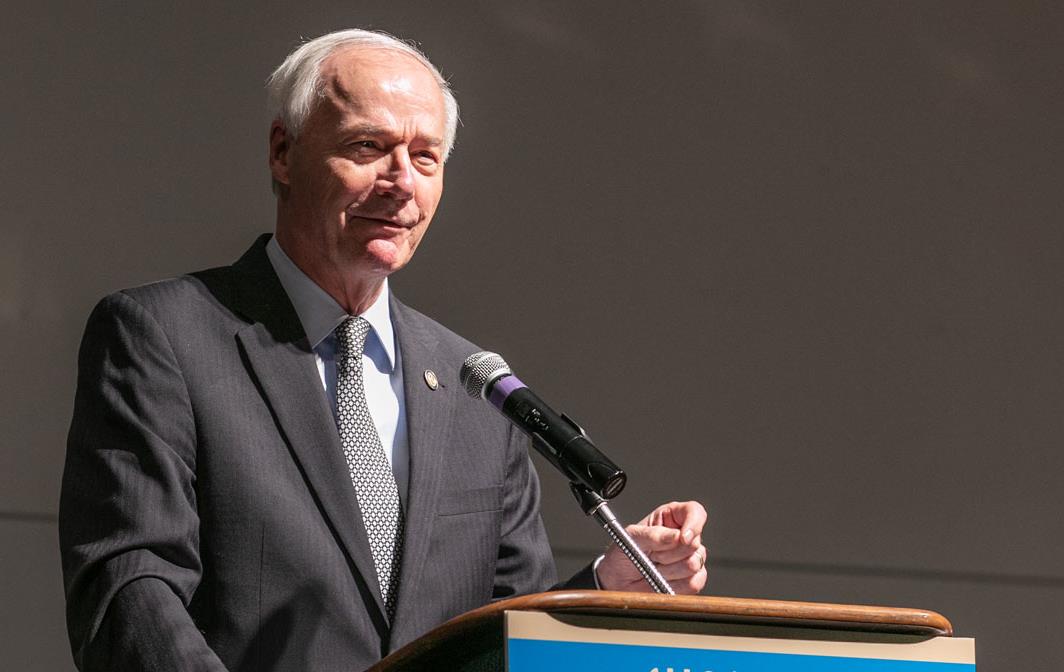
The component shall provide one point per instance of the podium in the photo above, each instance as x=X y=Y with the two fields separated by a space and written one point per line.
x=606 y=630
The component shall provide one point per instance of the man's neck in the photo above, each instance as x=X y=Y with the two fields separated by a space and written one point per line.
x=355 y=294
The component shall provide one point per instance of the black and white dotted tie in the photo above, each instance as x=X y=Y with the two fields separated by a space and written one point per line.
x=371 y=473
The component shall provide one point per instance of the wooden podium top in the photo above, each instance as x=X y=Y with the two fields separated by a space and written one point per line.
x=846 y=617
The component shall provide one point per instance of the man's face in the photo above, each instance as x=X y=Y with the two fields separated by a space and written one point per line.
x=362 y=181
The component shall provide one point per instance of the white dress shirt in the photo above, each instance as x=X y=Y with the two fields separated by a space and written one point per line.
x=382 y=372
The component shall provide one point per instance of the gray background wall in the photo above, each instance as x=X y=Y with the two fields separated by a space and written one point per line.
x=802 y=262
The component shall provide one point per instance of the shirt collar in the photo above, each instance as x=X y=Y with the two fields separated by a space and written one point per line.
x=319 y=313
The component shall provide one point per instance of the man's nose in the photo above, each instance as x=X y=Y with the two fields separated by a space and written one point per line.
x=397 y=176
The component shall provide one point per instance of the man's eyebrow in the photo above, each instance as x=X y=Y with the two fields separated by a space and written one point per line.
x=383 y=131
x=365 y=129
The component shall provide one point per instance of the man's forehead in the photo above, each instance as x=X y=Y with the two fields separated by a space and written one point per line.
x=349 y=72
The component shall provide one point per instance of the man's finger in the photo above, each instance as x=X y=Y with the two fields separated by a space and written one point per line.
x=654 y=538
x=687 y=516
x=677 y=553
x=685 y=568
x=690 y=517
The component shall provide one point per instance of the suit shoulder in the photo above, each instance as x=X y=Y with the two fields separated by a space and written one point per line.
x=170 y=290
x=208 y=289
x=182 y=298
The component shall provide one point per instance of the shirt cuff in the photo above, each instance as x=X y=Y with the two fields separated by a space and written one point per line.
x=594 y=570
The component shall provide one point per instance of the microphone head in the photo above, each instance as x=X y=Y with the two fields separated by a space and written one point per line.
x=480 y=370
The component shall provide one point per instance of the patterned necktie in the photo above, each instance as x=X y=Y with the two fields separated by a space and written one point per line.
x=371 y=474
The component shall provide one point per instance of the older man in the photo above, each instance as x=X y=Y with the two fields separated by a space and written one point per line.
x=271 y=465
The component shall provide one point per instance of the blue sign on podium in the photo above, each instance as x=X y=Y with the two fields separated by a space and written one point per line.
x=537 y=641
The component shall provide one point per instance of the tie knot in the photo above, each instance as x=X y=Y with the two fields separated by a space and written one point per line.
x=351 y=338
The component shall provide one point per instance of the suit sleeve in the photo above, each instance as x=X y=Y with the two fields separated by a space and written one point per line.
x=128 y=524
x=525 y=563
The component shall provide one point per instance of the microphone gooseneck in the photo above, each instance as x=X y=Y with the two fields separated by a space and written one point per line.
x=593 y=478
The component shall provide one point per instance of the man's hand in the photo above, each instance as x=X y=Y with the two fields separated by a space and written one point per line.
x=671 y=536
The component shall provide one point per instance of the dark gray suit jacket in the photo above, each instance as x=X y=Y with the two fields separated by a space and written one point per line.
x=207 y=519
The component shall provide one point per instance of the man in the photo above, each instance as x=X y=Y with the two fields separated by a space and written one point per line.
x=272 y=465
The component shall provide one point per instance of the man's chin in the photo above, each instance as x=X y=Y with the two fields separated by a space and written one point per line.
x=387 y=254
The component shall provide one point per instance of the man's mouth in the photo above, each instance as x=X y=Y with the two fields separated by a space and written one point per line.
x=382 y=220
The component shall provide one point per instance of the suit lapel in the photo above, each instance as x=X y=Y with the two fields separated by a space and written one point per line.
x=281 y=359
x=429 y=415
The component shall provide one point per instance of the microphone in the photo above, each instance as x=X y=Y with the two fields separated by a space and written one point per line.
x=554 y=435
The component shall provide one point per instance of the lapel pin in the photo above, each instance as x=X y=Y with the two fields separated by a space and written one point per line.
x=431 y=380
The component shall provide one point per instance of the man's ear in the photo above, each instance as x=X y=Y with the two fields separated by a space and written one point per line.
x=279 y=146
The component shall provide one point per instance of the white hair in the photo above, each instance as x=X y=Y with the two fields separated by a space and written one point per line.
x=295 y=87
